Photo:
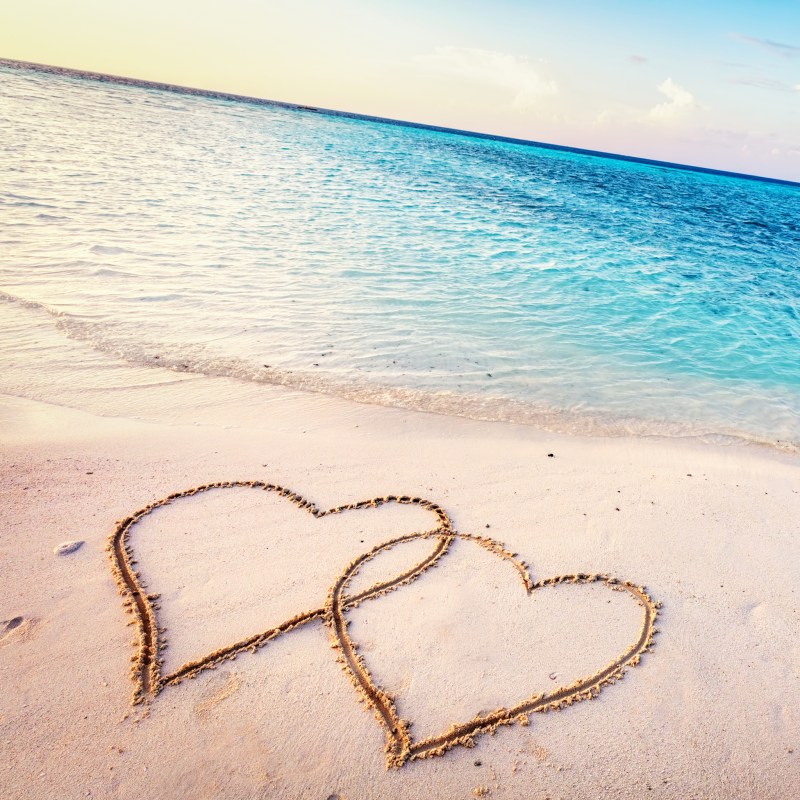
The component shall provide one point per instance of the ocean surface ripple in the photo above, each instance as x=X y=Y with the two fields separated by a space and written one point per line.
x=397 y=265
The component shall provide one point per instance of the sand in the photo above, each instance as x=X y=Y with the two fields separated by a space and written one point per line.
x=319 y=656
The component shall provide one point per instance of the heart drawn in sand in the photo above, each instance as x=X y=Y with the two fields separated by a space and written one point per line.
x=400 y=746
x=147 y=670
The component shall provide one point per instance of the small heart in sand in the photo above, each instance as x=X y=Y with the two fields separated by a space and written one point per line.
x=236 y=565
x=467 y=661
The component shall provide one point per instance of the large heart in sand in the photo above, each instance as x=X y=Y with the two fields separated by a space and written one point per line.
x=261 y=579
x=606 y=669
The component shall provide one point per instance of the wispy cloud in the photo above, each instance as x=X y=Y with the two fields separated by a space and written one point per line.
x=518 y=76
x=760 y=82
x=777 y=48
x=725 y=63
x=637 y=59
x=680 y=102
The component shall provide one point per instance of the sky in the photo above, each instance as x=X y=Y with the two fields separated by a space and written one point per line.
x=713 y=84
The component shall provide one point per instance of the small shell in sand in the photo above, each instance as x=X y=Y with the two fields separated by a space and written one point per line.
x=65 y=548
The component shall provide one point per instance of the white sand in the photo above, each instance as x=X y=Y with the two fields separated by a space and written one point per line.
x=714 y=534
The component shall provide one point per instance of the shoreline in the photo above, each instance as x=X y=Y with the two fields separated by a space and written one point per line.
x=119 y=380
x=710 y=531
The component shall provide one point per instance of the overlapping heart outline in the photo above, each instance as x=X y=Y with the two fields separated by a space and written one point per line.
x=400 y=747
x=146 y=671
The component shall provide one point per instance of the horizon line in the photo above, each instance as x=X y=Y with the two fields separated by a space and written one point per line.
x=122 y=80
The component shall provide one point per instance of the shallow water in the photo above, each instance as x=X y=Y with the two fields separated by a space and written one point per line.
x=394 y=265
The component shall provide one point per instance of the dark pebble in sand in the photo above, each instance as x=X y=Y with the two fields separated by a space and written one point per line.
x=551 y=455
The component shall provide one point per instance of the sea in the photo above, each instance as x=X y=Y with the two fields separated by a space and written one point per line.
x=146 y=231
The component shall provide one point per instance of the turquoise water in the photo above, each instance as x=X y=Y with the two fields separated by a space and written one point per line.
x=399 y=265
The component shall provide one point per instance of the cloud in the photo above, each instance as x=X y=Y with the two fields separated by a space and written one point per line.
x=786 y=50
x=680 y=102
x=603 y=118
x=638 y=59
x=761 y=82
x=516 y=75
x=756 y=142
x=725 y=63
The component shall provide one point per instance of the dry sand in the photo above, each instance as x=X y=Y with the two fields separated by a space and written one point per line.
x=713 y=533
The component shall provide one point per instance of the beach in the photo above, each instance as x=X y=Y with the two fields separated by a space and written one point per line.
x=711 y=533
x=343 y=459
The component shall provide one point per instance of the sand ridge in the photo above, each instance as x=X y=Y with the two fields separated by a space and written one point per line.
x=400 y=747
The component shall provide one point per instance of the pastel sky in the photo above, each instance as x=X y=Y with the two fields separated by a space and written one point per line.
x=702 y=82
